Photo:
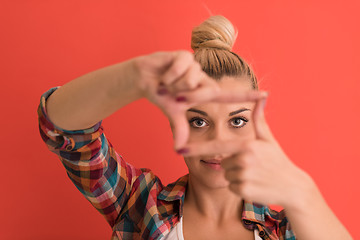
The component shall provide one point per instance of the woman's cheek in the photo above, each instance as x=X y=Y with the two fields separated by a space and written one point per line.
x=247 y=132
x=197 y=135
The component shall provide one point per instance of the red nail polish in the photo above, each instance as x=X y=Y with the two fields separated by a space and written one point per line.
x=182 y=151
x=162 y=91
x=181 y=99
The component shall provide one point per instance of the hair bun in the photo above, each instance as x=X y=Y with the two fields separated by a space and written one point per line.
x=215 y=32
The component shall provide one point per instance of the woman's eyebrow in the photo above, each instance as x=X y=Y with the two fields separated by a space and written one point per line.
x=197 y=111
x=238 y=111
x=230 y=114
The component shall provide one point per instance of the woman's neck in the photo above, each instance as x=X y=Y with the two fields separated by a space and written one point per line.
x=217 y=204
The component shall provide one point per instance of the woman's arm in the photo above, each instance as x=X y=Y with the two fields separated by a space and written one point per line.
x=91 y=163
x=309 y=214
x=70 y=124
x=83 y=102
x=88 y=99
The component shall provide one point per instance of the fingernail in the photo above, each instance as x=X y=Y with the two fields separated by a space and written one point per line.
x=181 y=99
x=182 y=151
x=264 y=103
x=265 y=94
x=162 y=91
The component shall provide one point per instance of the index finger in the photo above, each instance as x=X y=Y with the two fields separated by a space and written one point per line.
x=233 y=95
x=211 y=147
x=210 y=94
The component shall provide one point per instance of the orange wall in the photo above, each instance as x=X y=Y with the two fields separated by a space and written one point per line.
x=306 y=53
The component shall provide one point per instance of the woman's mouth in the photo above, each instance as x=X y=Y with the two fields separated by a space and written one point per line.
x=213 y=164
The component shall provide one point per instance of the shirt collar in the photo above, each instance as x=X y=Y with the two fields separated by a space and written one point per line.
x=251 y=213
x=174 y=191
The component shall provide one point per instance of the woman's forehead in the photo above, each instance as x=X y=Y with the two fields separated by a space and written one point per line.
x=222 y=108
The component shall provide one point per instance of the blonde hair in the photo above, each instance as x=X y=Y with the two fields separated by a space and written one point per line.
x=212 y=42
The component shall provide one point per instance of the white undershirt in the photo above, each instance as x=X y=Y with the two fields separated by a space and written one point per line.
x=177 y=232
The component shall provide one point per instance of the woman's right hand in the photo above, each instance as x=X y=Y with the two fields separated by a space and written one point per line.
x=171 y=72
x=175 y=82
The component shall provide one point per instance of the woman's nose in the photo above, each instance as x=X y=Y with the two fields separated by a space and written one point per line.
x=220 y=133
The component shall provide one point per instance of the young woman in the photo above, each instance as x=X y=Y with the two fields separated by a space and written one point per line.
x=236 y=167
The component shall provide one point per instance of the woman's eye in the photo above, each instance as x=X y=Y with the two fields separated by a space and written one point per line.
x=200 y=123
x=238 y=122
x=197 y=122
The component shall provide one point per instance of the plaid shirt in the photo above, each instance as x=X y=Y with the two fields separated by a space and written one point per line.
x=133 y=200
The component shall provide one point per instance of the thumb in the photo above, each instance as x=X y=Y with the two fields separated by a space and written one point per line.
x=262 y=129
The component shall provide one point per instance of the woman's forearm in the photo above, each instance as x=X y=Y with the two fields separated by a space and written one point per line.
x=86 y=100
x=311 y=218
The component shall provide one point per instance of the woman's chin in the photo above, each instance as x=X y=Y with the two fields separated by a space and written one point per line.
x=216 y=182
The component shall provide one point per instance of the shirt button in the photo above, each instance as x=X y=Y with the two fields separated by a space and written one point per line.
x=69 y=147
x=247 y=222
x=261 y=233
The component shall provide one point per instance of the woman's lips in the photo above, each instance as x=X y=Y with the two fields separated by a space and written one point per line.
x=212 y=163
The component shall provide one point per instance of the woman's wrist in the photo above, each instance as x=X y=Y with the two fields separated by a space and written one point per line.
x=302 y=193
x=310 y=216
x=134 y=74
x=128 y=79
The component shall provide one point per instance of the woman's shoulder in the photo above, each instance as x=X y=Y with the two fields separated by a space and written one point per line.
x=174 y=190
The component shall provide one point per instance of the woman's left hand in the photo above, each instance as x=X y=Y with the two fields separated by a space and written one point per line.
x=259 y=170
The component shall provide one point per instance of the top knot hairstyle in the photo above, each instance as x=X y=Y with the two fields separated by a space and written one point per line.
x=212 y=42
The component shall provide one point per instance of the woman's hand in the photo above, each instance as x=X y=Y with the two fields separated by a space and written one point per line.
x=259 y=170
x=174 y=82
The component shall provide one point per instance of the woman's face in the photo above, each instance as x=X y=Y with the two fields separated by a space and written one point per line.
x=218 y=121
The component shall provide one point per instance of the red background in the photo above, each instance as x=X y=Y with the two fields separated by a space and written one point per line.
x=305 y=53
